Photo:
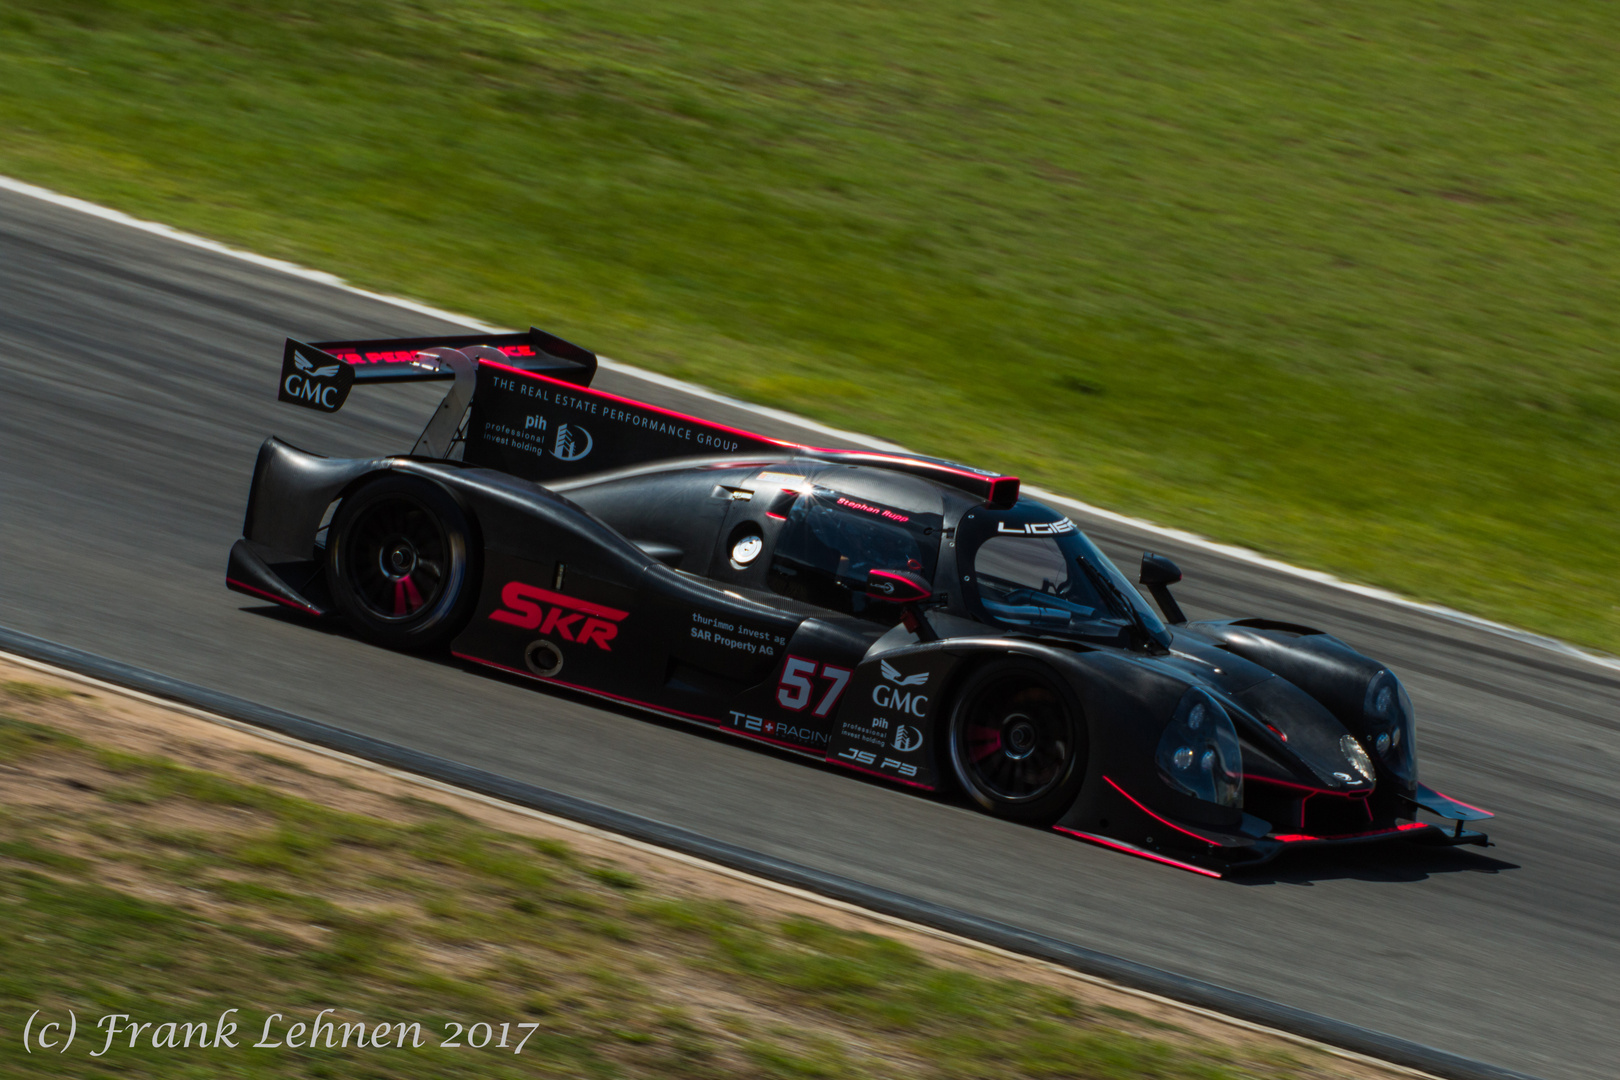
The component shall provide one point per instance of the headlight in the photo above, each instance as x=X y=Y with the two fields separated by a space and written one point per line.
x=1387 y=715
x=1358 y=757
x=1199 y=753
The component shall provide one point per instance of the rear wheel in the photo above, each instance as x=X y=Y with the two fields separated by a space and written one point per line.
x=1018 y=742
x=402 y=564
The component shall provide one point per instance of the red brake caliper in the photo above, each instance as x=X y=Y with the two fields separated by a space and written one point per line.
x=405 y=590
x=983 y=742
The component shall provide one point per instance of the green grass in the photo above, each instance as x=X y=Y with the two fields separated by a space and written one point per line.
x=428 y=916
x=22 y=738
x=1338 y=282
x=32 y=692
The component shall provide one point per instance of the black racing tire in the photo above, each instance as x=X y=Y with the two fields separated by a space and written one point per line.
x=1017 y=741
x=403 y=563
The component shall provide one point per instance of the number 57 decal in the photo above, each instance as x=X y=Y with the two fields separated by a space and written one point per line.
x=795 y=690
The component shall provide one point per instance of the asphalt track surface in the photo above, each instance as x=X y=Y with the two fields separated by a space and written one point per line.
x=138 y=381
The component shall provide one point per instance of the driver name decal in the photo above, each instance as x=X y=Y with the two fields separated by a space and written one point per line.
x=880 y=511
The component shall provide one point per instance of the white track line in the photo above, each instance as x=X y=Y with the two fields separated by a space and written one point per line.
x=1179 y=536
x=703 y=864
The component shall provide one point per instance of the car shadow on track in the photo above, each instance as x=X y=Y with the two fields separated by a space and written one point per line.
x=1397 y=862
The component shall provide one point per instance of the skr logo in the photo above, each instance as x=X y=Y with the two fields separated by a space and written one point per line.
x=887 y=697
x=579 y=621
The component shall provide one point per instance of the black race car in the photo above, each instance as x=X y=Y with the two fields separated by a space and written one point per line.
x=905 y=617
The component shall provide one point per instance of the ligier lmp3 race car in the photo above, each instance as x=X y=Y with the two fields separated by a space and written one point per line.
x=908 y=618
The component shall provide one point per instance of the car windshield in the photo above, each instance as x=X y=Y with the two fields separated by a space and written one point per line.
x=1056 y=582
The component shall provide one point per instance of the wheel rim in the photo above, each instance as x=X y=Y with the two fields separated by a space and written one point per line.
x=1016 y=740
x=398 y=558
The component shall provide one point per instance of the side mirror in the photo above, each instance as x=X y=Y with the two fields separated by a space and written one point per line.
x=1158 y=574
x=896 y=586
x=1158 y=570
x=907 y=590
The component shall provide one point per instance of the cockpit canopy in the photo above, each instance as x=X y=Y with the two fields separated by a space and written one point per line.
x=830 y=540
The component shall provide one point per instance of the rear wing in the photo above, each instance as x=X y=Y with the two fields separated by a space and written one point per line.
x=319 y=375
x=522 y=404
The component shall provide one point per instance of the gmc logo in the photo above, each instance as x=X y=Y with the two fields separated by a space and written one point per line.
x=579 y=621
x=905 y=701
x=308 y=390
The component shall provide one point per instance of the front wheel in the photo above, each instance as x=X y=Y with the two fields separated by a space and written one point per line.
x=402 y=564
x=1018 y=742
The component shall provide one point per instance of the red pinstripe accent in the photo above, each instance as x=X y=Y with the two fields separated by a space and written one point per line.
x=1459 y=802
x=660 y=709
x=1294 y=838
x=876 y=456
x=587 y=690
x=742 y=733
x=1156 y=817
x=899 y=459
x=1130 y=849
x=1249 y=778
x=585 y=390
x=245 y=587
x=879 y=775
